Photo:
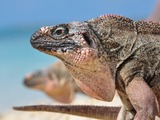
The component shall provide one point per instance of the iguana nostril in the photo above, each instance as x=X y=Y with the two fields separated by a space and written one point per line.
x=44 y=30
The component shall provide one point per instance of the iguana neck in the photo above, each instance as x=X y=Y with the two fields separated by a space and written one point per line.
x=114 y=48
x=91 y=78
x=118 y=41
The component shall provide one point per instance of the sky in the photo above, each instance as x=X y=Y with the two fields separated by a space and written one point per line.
x=20 y=13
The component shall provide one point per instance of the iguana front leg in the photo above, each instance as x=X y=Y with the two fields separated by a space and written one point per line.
x=143 y=99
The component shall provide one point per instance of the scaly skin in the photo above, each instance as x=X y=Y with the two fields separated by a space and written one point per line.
x=80 y=110
x=110 y=53
x=55 y=81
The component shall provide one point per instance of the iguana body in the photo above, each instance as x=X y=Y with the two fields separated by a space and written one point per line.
x=55 y=81
x=110 y=53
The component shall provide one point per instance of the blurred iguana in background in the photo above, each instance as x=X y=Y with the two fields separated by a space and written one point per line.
x=55 y=81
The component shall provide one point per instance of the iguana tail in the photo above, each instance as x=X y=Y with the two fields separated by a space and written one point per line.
x=91 y=111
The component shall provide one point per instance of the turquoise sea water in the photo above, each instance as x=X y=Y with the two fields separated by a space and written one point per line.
x=17 y=57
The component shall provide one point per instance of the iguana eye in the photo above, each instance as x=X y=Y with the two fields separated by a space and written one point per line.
x=60 y=31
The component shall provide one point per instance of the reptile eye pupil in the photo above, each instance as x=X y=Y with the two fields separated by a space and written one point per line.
x=58 y=32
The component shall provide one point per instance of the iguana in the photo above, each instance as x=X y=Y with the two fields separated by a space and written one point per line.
x=55 y=81
x=110 y=53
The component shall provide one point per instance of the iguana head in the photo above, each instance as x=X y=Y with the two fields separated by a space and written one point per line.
x=78 y=46
x=71 y=42
x=36 y=79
